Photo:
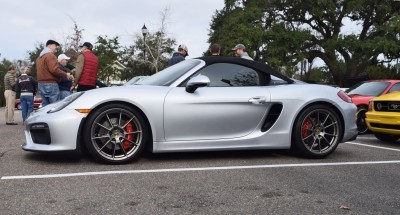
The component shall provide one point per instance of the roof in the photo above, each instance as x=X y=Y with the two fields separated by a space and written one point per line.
x=252 y=64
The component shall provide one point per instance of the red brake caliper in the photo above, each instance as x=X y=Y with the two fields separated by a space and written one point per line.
x=306 y=126
x=127 y=144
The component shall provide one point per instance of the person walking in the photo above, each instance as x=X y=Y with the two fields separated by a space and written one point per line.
x=9 y=95
x=179 y=56
x=49 y=74
x=64 y=85
x=240 y=51
x=87 y=66
x=26 y=86
x=215 y=49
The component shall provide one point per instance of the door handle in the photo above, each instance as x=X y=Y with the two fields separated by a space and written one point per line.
x=258 y=100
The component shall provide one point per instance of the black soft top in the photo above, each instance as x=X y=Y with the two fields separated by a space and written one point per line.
x=262 y=67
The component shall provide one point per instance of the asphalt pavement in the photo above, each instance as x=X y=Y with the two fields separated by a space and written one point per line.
x=360 y=177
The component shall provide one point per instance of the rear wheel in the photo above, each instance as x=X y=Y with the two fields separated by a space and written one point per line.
x=116 y=133
x=317 y=131
x=361 y=124
x=386 y=137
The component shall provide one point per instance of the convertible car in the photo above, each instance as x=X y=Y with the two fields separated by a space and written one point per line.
x=203 y=104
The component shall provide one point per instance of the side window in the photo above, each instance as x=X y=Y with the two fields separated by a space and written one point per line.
x=230 y=75
x=395 y=88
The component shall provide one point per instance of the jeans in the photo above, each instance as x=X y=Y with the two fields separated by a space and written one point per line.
x=50 y=93
x=27 y=106
x=64 y=93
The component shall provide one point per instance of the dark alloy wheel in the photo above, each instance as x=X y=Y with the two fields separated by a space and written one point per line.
x=317 y=131
x=387 y=137
x=361 y=123
x=116 y=133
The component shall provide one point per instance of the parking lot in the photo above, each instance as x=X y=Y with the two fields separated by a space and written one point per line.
x=360 y=177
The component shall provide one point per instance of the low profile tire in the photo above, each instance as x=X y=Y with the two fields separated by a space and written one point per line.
x=387 y=137
x=361 y=123
x=317 y=132
x=116 y=134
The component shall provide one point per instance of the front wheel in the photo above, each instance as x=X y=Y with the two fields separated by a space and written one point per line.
x=317 y=131
x=386 y=137
x=116 y=133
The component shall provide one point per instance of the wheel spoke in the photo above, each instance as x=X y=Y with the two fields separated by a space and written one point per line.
x=319 y=145
x=120 y=117
x=133 y=132
x=114 y=149
x=333 y=135
x=326 y=119
x=108 y=129
x=130 y=141
x=122 y=147
x=109 y=120
x=128 y=122
x=104 y=145
x=308 y=136
x=100 y=137
x=329 y=143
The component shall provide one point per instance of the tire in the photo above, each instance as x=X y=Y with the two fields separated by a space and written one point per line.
x=115 y=134
x=386 y=137
x=316 y=132
x=361 y=124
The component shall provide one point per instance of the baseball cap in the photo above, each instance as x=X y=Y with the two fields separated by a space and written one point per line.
x=184 y=47
x=87 y=45
x=239 y=46
x=49 y=42
x=63 y=57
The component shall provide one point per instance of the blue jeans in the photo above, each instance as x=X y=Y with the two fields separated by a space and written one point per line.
x=50 y=93
x=64 y=93
x=27 y=106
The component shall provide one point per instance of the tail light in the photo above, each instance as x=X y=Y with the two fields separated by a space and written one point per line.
x=344 y=97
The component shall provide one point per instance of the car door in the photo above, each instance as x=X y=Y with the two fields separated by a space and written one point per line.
x=231 y=107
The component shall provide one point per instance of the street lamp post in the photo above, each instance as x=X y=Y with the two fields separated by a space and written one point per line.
x=144 y=32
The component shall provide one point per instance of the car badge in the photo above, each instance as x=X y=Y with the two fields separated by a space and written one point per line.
x=379 y=106
x=394 y=106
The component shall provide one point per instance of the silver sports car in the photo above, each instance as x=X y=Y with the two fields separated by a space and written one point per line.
x=208 y=103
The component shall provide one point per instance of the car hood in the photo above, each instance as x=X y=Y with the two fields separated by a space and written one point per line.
x=388 y=97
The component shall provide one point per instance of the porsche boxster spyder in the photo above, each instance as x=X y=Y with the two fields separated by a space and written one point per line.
x=202 y=104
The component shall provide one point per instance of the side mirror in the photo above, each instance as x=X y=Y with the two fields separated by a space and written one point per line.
x=196 y=82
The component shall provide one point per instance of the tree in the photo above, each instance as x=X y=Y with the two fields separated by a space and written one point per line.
x=293 y=30
x=108 y=52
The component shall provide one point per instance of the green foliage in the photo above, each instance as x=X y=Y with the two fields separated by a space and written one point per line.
x=381 y=72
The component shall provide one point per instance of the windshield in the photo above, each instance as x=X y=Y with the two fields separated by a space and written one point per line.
x=170 y=74
x=368 y=88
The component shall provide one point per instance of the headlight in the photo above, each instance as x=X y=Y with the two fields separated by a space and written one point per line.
x=65 y=102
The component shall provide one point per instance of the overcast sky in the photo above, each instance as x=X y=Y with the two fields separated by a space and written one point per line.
x=24 y=23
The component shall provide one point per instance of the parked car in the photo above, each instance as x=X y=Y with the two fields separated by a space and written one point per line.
x=363 y=92
x=202 y=104
x=383 y=117
x=37 y=103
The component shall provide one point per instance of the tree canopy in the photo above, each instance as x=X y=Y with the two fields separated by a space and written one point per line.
x=283 y=33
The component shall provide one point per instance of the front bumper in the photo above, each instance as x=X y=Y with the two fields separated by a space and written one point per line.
x=383 y=122
x=52 y=131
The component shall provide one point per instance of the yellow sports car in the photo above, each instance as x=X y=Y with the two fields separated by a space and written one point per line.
x=383 y=117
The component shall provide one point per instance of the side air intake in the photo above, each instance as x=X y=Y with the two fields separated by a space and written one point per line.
x=273 y=115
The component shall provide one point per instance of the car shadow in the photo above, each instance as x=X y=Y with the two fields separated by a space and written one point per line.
x=56 y=157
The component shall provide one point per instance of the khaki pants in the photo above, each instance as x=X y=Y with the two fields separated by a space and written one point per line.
x=10 y=105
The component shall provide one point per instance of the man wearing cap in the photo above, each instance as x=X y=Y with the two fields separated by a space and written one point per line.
x=179 y=56
x=64 y=85
x=49 y=74
x=87 y=66
x=240 y=52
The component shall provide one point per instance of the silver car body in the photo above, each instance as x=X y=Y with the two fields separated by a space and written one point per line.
x=211 y=118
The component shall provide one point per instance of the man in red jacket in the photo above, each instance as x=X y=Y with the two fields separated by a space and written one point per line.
x=87 y=66
x=49 y=74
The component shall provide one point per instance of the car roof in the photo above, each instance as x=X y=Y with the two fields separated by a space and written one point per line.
x=263 y=67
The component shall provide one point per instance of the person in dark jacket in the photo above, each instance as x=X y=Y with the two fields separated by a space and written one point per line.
x=64 y=85
x=179 y=56
x=26 y=86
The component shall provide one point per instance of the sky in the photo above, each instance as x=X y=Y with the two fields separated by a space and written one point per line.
x=25 y=23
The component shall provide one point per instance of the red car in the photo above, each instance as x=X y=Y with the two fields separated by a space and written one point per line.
x=364 y=91
x=37 y=102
